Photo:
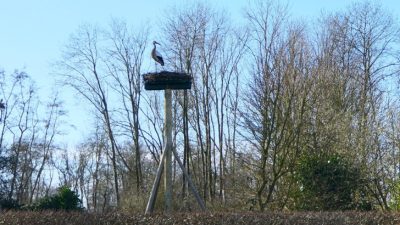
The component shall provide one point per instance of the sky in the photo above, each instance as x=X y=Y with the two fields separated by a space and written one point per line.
x=33 y=32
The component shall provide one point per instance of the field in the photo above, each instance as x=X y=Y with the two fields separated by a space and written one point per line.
x=276 y=218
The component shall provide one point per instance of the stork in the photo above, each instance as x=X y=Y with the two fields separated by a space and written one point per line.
x=156 y=55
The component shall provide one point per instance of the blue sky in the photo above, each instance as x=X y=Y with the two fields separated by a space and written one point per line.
x=32 y=33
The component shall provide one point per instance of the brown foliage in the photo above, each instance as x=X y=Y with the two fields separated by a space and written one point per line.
x=116 y=218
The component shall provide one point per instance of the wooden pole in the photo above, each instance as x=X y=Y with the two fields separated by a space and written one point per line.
x=168 y=149
x=191 y=185
x=166 y=160
x=156 y=184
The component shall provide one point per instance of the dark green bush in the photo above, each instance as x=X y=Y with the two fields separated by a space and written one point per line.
x=65 y=199
x=330 y=183
x=6 y=203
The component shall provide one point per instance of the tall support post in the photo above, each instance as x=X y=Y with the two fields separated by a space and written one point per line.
x=190 y=183
x=156 y=184
x=186 y=153
x=168 y=149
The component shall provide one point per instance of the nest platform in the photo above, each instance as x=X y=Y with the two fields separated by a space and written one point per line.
x=167 y=80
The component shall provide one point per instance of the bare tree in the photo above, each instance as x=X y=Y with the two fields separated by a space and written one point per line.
x=26 y=103
x=274 y=111
x=28 y=137
x=50 y=126
x=354 y=54
x=202 y=43
x=373 y=35
x=82 y=66
x=125 y=66
x=184 y=36
x=92 y=168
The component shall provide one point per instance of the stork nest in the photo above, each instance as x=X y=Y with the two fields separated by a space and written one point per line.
x=167 y=80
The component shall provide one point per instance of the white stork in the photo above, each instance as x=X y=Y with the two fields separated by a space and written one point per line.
x=156 y=55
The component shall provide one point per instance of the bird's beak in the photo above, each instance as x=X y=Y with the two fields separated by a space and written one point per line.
x=157 y=43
